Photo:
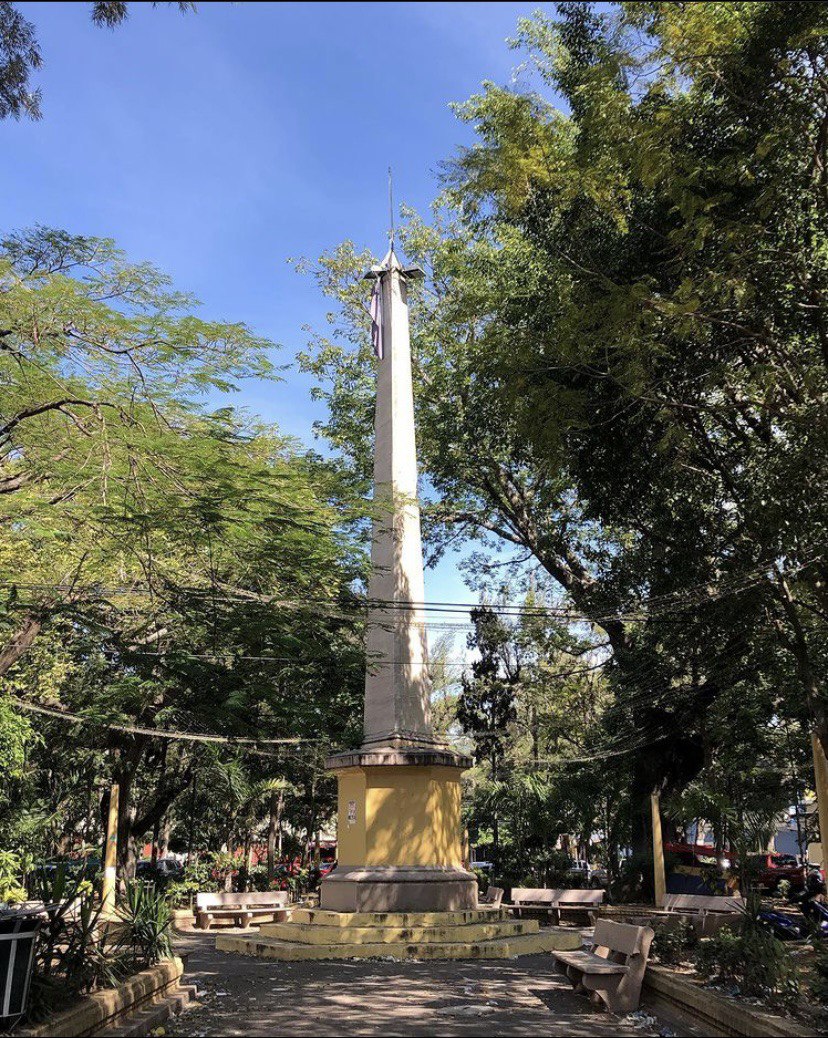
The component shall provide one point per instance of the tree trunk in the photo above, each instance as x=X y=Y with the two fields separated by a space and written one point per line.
x=21 y=641
x=277 y=798
x=164 y=840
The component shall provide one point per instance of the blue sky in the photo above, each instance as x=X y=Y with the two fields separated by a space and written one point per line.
x=219 y=144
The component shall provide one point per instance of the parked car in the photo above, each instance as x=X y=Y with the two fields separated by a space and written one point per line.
x=580 y=868
x=73 y=869
x=770 y=868
x=588 y=875
x=599 y=877
x=166 y=870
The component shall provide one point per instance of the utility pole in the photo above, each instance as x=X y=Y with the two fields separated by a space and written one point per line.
x=111 y=852
x=821 y=790
x=659 y=877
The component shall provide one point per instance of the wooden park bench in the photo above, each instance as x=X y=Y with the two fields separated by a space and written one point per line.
x=611 y=971
x=492 y=898
x=240 y=908
x=557 y=903
x=707 y=912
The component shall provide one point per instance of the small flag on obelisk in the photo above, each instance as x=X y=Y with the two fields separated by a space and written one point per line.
x=376 y=317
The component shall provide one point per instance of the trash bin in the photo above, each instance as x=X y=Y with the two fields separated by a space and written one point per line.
x=18 y=933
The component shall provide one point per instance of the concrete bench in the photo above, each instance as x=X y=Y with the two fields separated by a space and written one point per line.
x=492 y=898
x=558 y=903
x=241 y=908
x=707 y=912
x=611 y=971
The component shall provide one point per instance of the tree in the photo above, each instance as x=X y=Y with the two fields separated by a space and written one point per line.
x=162 y=566
x=618 y=370
x=20 y=54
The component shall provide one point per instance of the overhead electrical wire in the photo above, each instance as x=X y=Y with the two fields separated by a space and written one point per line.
x=641 y=611
x=247 y=744
x=678 y=601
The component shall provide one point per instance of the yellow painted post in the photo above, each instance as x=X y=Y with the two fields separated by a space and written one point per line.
x=821 y=790
x=111 y=852
x=659 y=878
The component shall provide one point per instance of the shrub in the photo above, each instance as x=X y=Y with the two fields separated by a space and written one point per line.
x=257 y=878
x=74 y=954
x=482 y=879
x=223 y=865
x=753 y=959
x=628 y=885
x=674 y=943
x=12 y=890
x=198 y=876
x=144 y=931
x=819 y=971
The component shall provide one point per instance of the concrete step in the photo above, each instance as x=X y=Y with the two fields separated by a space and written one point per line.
x=401 y=919
x=320 y=933
x=552 y=939
x=151 y=1016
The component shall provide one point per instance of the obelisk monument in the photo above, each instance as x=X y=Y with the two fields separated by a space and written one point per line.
x=399 y=846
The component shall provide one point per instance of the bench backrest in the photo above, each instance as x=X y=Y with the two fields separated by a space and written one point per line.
x=582 y=897
x=535 y=896
x=493 y=896
x=621 y=940
x=702 y=903
x=556 y=896
x=266 y=897
x=226 y=899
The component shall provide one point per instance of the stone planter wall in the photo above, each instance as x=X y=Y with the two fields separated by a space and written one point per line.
x=103 y=1008
x=719 y=1015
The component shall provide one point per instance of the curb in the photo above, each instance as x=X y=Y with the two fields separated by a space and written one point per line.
x=157 y=988
x=665 y=993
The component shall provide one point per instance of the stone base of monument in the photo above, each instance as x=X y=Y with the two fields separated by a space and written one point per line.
x=475 y=934
x=399 y=888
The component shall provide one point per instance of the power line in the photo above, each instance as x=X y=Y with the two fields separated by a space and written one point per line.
x=159 y=733
x=641 y=611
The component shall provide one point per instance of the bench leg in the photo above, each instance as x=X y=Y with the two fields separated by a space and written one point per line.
x=609 y=991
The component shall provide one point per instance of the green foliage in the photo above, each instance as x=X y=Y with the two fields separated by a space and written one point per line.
x=486 y=706
x=12 y=889
x=198 y=877
x=674 y=943
x=144 y=924
x=162 y=565
x=818 y=981
x=622 y=368
x=482 y=879
x=751 y=958
x=74 y=955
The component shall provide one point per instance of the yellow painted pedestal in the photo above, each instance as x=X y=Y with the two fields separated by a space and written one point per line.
x=404 y=815
x=399 y=838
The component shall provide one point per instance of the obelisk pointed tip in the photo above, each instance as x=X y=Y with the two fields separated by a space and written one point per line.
x=391 y=262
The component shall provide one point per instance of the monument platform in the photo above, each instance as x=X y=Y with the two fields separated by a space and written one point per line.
x=481 y=934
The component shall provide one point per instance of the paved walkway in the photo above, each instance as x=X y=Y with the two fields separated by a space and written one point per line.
x=245 y=996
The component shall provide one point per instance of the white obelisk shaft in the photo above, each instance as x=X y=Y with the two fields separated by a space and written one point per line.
x=397 y=683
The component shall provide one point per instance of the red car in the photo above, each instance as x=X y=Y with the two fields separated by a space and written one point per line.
x=771 y=868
